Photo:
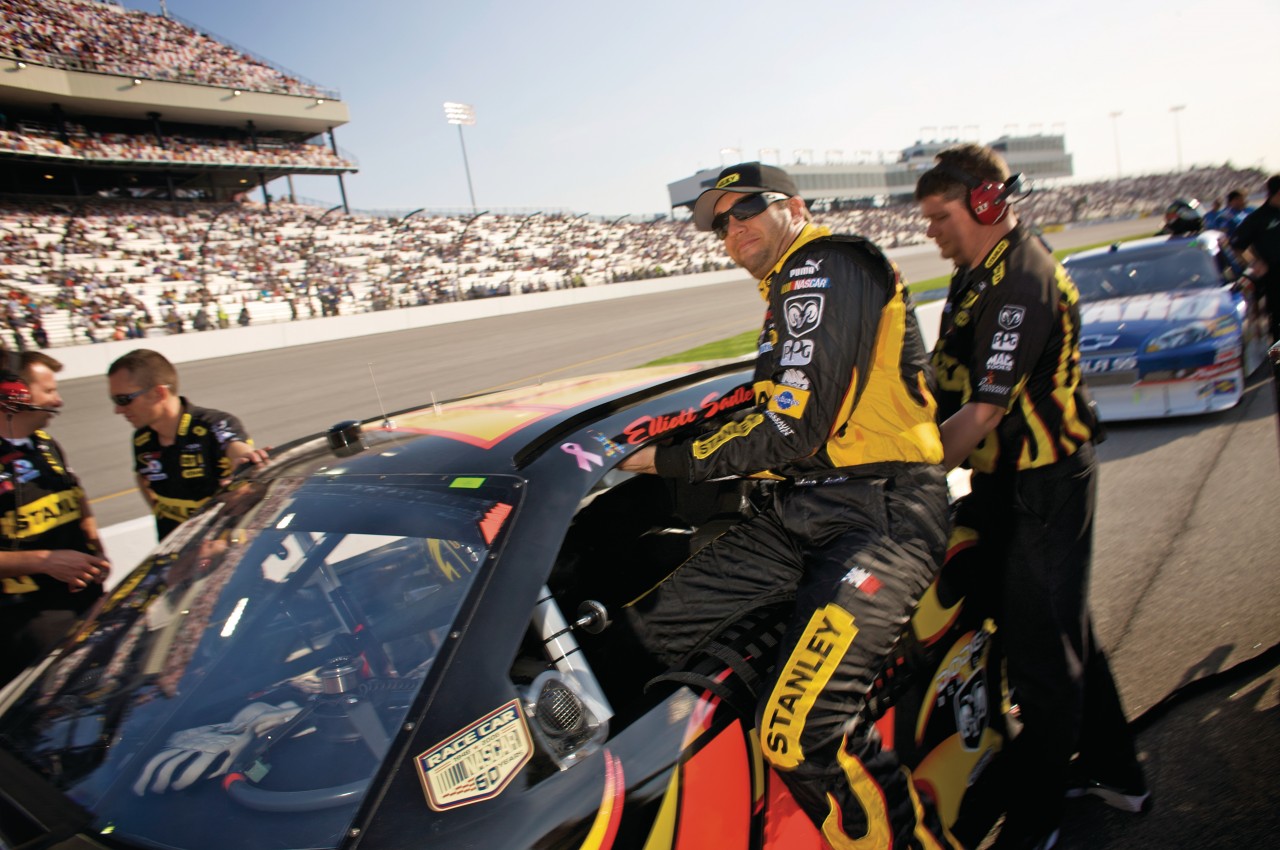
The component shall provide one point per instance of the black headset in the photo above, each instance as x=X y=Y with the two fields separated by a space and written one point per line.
x=988 y=200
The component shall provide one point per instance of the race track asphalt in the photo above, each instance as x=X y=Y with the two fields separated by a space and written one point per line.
x=1185 y=589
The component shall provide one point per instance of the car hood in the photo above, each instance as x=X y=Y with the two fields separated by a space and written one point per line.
x=1124 y=323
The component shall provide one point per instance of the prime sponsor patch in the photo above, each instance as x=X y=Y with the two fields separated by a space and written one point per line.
x=803 y=313
x=478 y=762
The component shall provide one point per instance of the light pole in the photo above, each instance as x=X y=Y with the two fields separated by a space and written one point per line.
x=1115 y=132
x=462 y=113
x=1177 y=131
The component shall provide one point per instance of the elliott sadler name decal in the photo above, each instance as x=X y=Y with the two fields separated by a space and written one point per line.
x=648 y=427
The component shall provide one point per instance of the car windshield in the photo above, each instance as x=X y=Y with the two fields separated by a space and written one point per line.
x=242 y=686
x=1124 y=273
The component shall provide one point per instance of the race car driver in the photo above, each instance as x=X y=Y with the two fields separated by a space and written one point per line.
x=182 y=453
x=844 y=421
x=1014 y=409
x=52 y=564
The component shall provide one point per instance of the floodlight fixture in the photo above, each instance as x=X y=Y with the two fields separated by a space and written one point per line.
x=459 y=113
x=462 y=113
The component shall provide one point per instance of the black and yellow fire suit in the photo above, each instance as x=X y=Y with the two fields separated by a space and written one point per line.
x=184 y=475
x=1010 y=337
x=844 y=419
x=41 y=507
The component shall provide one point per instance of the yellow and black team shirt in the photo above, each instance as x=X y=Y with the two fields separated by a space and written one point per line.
x=184 y=475
x=41 y=506
x=1010 y=336
x=841 y=375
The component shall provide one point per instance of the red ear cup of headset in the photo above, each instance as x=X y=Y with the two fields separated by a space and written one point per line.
x=988 y=199
x=15 y=395
x=987 y=202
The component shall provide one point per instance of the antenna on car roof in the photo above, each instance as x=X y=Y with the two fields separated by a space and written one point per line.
x=386 y=420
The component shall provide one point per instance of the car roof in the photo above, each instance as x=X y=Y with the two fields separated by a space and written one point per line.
x=492 y=433
x=1206 y=241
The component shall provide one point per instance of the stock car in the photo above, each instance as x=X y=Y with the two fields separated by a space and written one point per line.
x=1168 y=326
x=405 y=632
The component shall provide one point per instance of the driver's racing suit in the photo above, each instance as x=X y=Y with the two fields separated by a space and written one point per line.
x=855 y=532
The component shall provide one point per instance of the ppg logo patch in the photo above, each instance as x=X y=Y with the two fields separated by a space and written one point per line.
x=1011 y=316
x=803 y=313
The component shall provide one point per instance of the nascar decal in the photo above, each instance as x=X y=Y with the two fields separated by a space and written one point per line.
x=797 y=352
x=478 y=762
x=803 y=313
x=648 y=427
x=806 y=283
x=825 y=641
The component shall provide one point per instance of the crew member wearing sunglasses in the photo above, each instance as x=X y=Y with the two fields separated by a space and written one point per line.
x=182 y=453
x=845 y=419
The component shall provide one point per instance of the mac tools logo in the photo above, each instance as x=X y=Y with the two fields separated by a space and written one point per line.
x=803 y=313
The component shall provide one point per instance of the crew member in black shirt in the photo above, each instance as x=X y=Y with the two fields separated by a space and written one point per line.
x=52 y=564
x=1258 y=237
x=182 y=453
x=1013 y=408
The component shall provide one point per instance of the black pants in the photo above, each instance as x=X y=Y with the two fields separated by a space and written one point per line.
x=855 y=556
x=1035 y=530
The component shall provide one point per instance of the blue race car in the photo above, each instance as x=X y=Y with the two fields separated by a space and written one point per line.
x=1169 y=328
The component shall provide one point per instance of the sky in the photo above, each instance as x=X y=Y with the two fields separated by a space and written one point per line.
x=596 y=106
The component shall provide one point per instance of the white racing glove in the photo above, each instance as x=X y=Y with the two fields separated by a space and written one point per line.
x=192 y=753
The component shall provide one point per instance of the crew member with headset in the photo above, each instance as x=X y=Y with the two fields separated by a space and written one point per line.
x=182 y=452
x=1014 y=408
x=52 y=564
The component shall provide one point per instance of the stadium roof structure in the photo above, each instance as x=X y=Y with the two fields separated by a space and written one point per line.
x=64 y=129
x=1038 y=157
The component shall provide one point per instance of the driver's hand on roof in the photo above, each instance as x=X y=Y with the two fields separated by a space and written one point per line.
x=208 y=751
x=640 y=461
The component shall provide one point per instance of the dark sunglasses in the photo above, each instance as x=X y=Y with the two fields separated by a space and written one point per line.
x=749 y=207
x=126 y=399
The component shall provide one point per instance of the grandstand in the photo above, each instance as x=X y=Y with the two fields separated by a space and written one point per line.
x=132 y=147
x=100 y=101
x=836 y=184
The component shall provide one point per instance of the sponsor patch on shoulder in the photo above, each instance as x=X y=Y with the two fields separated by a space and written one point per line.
x=803 y=313
x=1011 y=316
x=477 y=762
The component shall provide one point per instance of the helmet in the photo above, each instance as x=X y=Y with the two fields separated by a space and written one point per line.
x=1183 y=216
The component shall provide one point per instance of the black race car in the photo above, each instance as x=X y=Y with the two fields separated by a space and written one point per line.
x=403 y=633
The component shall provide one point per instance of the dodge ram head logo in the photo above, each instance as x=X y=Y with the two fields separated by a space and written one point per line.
x=803 y=312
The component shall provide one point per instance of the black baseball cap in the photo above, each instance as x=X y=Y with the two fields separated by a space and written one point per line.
x=745 y=178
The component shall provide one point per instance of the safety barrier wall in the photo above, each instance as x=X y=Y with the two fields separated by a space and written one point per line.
x=86 y=360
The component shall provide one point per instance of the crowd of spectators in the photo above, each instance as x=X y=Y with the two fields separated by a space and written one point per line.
x=97 y=270
x=92 y=35
x=86 y=145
